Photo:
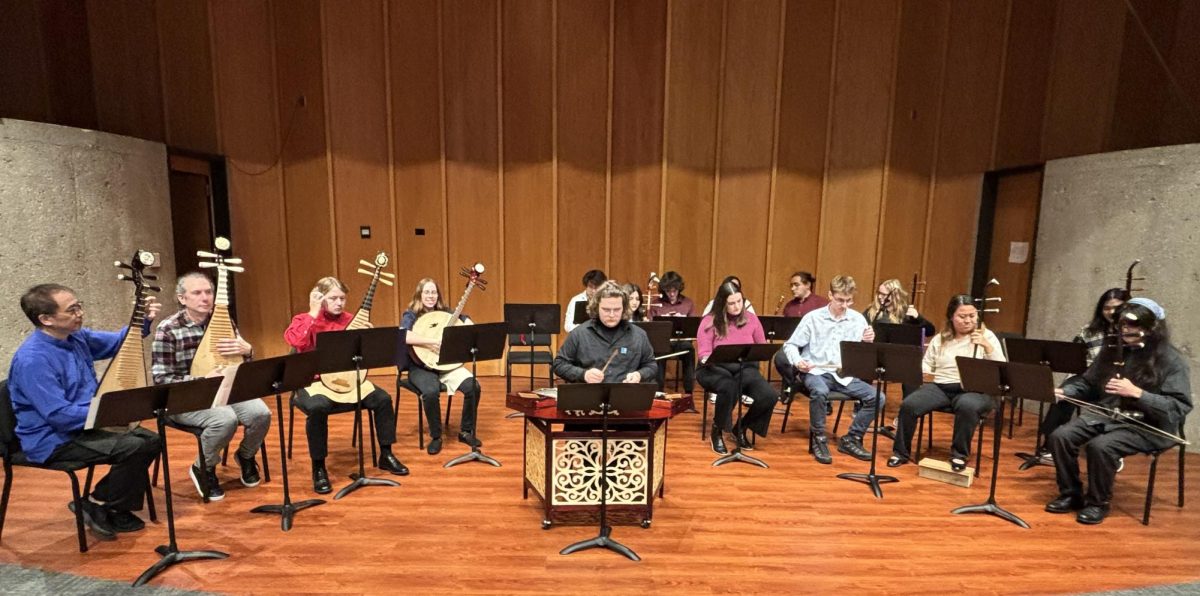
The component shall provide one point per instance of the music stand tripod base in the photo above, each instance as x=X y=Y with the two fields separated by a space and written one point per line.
x=472 y=455
x=604 y=540
x=993 y=509
x=737 y=455
x=872 y=480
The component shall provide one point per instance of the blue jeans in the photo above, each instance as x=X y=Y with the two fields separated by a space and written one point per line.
x=819 y=387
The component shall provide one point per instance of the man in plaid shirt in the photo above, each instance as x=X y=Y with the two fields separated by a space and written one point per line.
x=174 y=346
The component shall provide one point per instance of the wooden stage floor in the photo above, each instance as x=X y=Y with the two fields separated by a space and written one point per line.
x=793 y=528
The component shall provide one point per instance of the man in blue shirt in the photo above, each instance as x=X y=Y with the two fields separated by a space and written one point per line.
x=813 y=356
x=52 y=381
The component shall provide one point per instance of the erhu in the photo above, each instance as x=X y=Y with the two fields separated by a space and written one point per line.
x=981 y=303
x=651 y=293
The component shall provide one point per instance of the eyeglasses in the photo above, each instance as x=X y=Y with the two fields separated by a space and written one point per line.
x=74 y=308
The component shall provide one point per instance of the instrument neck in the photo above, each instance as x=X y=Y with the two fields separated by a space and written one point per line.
x=458 y=308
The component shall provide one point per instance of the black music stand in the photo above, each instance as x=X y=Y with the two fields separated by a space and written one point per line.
x=581 y=313
x=898 y=333
x=533 y=319
x=358 y=350
x=999 y=379
x=881 y=363
x=119 y=408
x=277 y=375
x=1062 y=357
x=681 y=327
x=605 y=397
x=659 y=334
x=461 y=343
x=740 y=354
x=777 y=328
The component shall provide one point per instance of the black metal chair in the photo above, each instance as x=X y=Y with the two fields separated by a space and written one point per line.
x=196 y=431
x=788 y=396
x=947 y=410
x=403 y=382
x=522 y=351
x=11 y=453
x=1154 y=470
x=353 y=433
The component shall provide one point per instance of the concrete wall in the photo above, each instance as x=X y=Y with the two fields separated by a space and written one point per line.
x=72 y=202
x=1098 y=214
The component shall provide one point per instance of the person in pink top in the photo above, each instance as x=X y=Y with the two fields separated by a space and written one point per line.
x=731 y=323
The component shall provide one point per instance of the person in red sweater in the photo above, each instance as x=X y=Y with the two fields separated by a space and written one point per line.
x=327 y=312
x=731 y=323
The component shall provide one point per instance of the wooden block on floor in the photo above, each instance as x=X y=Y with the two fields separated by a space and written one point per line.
x=936 y=469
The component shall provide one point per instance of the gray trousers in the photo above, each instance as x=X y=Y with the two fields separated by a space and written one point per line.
x=219 y=424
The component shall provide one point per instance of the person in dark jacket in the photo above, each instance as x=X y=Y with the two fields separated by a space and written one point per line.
x=1147 y=377
x=607 y=348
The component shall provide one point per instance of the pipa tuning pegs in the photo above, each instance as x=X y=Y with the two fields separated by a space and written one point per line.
x=386 y=282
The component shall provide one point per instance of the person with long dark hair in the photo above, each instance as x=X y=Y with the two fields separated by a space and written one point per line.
x=962 y=336
x=1091 y=335
x=731 y=323
x=637 y=310
x=1145 y=375
x=737 y=283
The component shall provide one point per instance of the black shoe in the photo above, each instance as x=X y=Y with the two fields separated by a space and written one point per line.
x=853 y=447
x=206 y=483
x=96 y=518
x=1092 y=514
x=718 y=441
x=125 y=521
x=896 y=461
x=321 y=481
x=888 y=432
x=435 y=446
x=389 y=463
x=215 y=492
x=470 y=440
x=958 y=464
x=786 y=397
x=1065 y=504
x=818 y=446
x=740 y=439
x=249 y=471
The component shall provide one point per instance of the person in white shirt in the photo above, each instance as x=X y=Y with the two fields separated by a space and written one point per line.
x=812 y=356
x=963 y=335
x=591 y=280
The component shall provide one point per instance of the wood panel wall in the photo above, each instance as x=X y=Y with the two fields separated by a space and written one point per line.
x=548 y=137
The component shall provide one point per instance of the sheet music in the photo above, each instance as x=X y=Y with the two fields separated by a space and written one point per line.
x=228 y=372
x=91 y=415
x=551 y=392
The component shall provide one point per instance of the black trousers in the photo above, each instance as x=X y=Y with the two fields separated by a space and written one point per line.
x=1105 y=445
x=687 y=362
x=730 y=383
x=968 y=409
x=124 y=487
x=318 y=408
x=1058 y=414
x=430 y=388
